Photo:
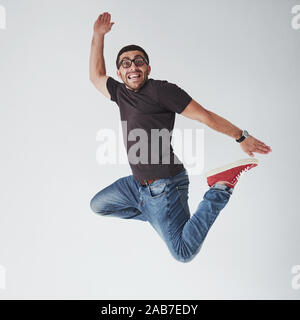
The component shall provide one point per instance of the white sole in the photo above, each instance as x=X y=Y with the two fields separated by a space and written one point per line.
x=231 y=165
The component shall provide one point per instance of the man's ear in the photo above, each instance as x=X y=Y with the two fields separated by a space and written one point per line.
x=118 y=74
x=149 y=70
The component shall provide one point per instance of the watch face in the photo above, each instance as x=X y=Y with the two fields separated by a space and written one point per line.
x=245 y=133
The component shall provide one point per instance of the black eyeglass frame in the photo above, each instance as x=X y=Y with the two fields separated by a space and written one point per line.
x=133 y=60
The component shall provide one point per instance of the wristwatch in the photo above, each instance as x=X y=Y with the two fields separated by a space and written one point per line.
x=245 y=134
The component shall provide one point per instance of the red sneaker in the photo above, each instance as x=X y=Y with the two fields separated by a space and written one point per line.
x=231 y=172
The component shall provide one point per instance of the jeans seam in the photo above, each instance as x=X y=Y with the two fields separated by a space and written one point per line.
x=168 y=214
x=168 y=226
x=180 y=199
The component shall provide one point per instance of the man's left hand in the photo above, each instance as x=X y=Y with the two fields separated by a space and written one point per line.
x=250 y=145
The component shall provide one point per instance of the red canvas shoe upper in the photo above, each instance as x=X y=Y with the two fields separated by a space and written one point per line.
x=232 y=174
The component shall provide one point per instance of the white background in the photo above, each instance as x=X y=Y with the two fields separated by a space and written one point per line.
x=238 y=58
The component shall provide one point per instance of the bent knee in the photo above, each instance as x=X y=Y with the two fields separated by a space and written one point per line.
x=186 y=256
x=184 y=259
x=96 y=208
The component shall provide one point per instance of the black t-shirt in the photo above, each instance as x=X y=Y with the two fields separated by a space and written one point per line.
x=153 y=107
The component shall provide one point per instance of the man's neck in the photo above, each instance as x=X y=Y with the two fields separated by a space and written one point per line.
x=136 y=90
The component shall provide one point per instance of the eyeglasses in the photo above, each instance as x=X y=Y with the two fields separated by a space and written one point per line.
x=138 y=61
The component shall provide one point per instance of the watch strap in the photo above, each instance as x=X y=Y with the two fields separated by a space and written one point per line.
x=245 y=134
x=242 y=138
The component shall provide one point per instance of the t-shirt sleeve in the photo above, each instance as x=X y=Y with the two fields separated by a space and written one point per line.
x=172 y=97
x=112 y=86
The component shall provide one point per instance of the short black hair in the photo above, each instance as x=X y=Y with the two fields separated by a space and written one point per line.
x=131 y=47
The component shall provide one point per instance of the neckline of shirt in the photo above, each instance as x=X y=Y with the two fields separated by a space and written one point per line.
x=143 y=87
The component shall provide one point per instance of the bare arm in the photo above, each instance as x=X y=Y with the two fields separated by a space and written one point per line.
x=196 y=112
x=97 y=64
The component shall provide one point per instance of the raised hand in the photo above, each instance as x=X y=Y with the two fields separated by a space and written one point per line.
x=250 y=145
x=103 y=24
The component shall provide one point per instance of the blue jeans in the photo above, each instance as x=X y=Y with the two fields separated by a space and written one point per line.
x=164 y=204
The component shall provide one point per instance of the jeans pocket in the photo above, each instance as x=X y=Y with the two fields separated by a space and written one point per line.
x=157 y=190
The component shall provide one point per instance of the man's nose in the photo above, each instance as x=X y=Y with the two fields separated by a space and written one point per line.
x=133 y=67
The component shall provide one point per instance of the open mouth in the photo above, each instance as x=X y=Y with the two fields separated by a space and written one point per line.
x=134 y=76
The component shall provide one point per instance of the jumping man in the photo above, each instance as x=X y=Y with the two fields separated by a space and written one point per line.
x=157 y=190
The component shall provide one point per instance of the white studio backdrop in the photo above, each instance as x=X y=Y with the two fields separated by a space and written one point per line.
x=238 y=58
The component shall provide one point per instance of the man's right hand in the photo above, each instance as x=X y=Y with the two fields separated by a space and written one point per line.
x=250 y=145
x=103 y=24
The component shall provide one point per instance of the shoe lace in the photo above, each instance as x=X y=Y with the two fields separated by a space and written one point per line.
x=237 y=177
